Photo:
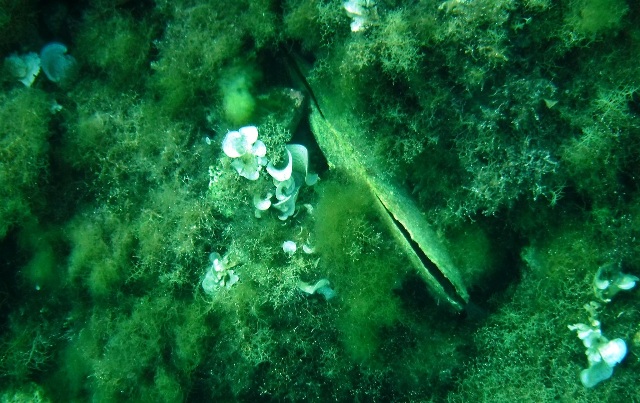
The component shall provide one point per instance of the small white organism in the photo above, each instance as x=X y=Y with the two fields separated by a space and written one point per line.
x=247 y=151
x=284 y=172
x=262 y=204
x=24 y=68
x=308 y=249
x=56 y=63
x=289 y=247
x=219 y=275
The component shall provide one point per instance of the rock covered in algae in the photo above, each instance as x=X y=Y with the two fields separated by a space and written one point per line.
x=334 y=130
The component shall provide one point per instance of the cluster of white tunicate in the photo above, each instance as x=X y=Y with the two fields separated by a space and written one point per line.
x=219 y=275
x=289 y=179
x=321 y=287
x=361 y=13
x=603 y=354
x=24 y=68
x=247 y=151
x=249 y=157
x=609 y=281
x=53 y=59
x=290 y=248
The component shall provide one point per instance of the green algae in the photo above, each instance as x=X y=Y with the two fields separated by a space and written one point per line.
x=513 y=126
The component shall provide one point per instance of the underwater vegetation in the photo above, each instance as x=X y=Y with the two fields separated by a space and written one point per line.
x=171 y=229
